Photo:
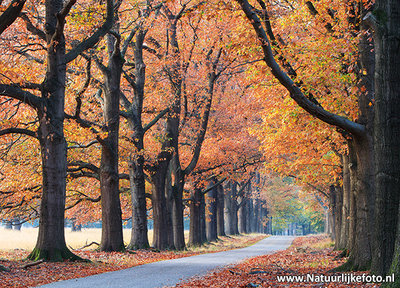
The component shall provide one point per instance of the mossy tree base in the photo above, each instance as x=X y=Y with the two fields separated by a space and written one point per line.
x=345 y=253
x=351 y=266
x=348 y=266
x=394 y=284
x=54 y=255
x=4 y=269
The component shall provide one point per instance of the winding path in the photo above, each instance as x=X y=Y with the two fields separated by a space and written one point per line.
x=170 y=272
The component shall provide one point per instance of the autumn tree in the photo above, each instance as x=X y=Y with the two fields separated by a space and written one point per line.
x=178 y=67
x=6 y=19
x=133 y=114
x=49 y=107
x=112 y=239
x=260 y=20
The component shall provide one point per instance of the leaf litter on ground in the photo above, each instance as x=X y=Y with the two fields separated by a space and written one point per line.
x=48 y=272
x=307 y=255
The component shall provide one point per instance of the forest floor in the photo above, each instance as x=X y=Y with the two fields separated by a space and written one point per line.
x=311 y=255
x=44 y=273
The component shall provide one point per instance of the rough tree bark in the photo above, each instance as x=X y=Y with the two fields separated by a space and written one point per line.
x=170 y=196
x=51 y=240
x=256 y=227
x=385 y=22
x=211 y=212
x=228 y=214
x=346 y=205
x=133 y=114
x=196 y=207
x=338 y=215
x=220 y=211
x=243 y=215
x=139 y=237
x=158 y=176
x=111 y=236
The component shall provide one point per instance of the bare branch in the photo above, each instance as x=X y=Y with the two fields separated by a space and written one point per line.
x=18 y=131
x=95 y=37
x=295 y=92
x=213 y=186
x=80 y=165
x=32 y=264
x=10 y=14
x=79 y=146
x=129 y=39
x=17 y=93
x=32 y=28
x=61 y=21
x=155 y=120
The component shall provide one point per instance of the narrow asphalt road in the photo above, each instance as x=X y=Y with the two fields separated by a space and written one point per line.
x=170 y=272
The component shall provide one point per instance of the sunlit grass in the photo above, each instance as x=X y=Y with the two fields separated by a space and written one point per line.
x=229 y=242
x=26 y=239
x=323 y=244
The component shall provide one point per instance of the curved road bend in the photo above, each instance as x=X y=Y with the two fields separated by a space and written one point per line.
x=171 y=272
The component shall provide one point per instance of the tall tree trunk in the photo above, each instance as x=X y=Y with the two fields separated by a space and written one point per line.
x=230 y=211
x=234 y=211
x=203 y=235
x=261 y=217
x=160 y=233
x=387 y=136
x=177 y=204
x=256 y=227
x=265 y=218
x=338 y=214
x=353 y=209
x=220 y=211
x=169 y=204
x=251 y=219
x=361 y=253
x=139 y=237
x=361 y=216
x=363 y=149
x=211 y=208
x=174 y=72
x=327 y=222
x=243 y=215
x=342 y=244
x=227 y=208
x=111 y=236
x=51 y=244
x=51 y=239
x=195 y=235
x=249 y=211
x=332 y=210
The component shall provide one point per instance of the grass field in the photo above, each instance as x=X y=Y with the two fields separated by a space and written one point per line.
x=26 y=238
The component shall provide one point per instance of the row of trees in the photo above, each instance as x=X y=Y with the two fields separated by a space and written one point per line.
x=365 y=203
